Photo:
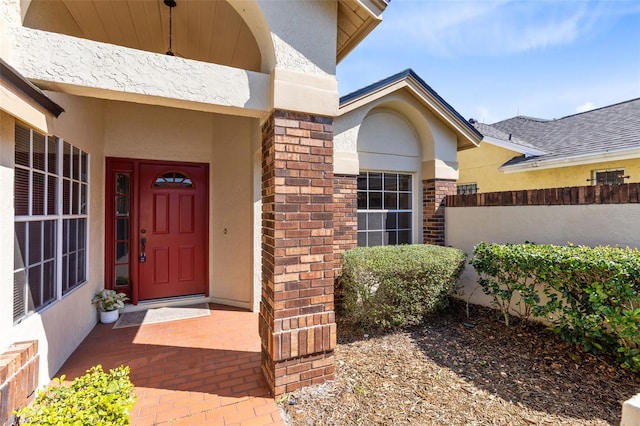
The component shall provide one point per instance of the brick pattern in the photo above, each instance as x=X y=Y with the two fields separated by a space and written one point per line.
x=575 y=195
x=297 y=321
x=345 y=216
x=434 y=192
x=19 y=366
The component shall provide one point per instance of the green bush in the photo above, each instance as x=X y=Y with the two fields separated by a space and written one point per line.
x=395 y=286
x=590 y=295
x=97 y=398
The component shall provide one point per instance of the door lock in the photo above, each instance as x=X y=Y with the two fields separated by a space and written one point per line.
x=143 y=256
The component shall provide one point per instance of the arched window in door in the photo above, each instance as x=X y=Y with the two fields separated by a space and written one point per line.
x=173 y=180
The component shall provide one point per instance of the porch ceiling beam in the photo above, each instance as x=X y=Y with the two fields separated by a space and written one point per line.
x=94 y=69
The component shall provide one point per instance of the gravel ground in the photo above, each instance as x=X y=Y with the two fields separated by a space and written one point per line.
x=459 y=370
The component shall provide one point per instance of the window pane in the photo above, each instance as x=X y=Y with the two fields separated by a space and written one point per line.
x=49 y=239
x=404 y=237
x=66 y=160
x=404 y=182
x=390 y=200
x=81 y=266
x=122 y=252
x=65 y=236
x=23 y=146
x=49 y=281
x=122 y=229
x=73 y=235
x=375 y=238
x=52 y=163
x=122 y=275
x=73 y=277
x=76 y=198
x=39 y=159
x=392 y=238
x=404 y=220
x=52 y=187
x=375 y=181
x=404 y=201
x=37 y=194
x=375 y=200
x=391 y=221
x=35 y=284
x=362 y=200
x=83 y=199
x=21 y=192
x=362 y=221
x=362 y=182
x=390 y=182
x=76 y=163
x=362 y=239
x=374 y=221
x=20 y=246
x=66 y=197
x=35 y=242
x=65 y=273
x=122 y=206
x=82 y=233
x=19 y=284
x=84 y=164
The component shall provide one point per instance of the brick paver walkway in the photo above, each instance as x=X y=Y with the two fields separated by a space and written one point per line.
x=190 y=372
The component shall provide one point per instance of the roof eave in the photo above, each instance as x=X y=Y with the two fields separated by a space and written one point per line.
x=373 y=10
x=574 y=160
x=20 y=83
x=511 y=146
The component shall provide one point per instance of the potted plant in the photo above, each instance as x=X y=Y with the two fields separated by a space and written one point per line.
x=108 y=302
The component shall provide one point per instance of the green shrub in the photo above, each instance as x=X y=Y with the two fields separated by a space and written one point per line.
x=395 y=286
x=97 y=398
x=590 y=295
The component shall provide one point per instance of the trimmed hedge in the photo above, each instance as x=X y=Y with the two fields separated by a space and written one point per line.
x=395 y=286
x=590 y=295
x=97 y=398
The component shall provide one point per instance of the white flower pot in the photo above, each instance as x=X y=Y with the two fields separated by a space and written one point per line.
x=108 y=317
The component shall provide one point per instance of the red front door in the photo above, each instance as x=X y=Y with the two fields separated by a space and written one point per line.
x=172 y=230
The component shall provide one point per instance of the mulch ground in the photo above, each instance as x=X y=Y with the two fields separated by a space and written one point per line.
x=464 y=370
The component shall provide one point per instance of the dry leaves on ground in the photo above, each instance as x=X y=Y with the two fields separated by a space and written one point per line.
x=459 y=370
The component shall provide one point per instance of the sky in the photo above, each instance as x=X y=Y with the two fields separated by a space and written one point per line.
x=496 y=59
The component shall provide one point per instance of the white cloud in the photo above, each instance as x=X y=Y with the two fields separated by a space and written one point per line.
x=587 y=106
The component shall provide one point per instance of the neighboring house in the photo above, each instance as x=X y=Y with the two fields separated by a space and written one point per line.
x=401 y=139
x=203 y=174
x=601 y=146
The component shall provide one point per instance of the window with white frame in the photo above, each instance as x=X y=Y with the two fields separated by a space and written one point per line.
x=467 y=188
x=385 y=213
x=51 y=201
x=608 y=177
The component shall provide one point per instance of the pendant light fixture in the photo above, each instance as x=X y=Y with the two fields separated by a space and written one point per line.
x=171 y=4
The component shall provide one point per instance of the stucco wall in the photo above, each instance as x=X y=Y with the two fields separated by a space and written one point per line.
x=592 y=225
x=480 y=165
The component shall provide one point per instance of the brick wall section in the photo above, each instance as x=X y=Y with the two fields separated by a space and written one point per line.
x=434 y=192
x=575 y=195
x=345 y=216
x=19 y=366
x=297 y=321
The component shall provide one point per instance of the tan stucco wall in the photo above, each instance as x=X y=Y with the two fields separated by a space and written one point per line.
x=481 y=164
x=592 y=225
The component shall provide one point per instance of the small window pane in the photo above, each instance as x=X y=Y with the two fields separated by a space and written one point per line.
x=84 y=164
x=52 y=188
x=362 y=239
x=404 y=201
x=83 y=199
x=20 y=246
x=52 y=163
x=404 y=183
x=390 y=182
x=375 y=200
x=73 y=235
x=122 y=229
x=48 y=282
x=390 y=200
x=362 y=220
x=375 y=238
x=375 y=181
x=404 y=220
x=66 y=160
x=362 y=200
x=392 y=237
x=35 y=284
x=362 y=182
x=37 y=194
x=23 y=146
x=122 y=252
x=49 y=239
x=122 y=206
x=21 y=192
x=76 y=163
x=374 y=221
x=19 y=285
x=122 y=183
x=391 y=221
x=404 y=237
x=39 y=158
x=35 y=242
x=66 y=197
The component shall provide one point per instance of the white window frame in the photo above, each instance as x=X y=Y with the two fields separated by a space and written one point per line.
x=594 y=174
x=78 y=212
x=411 y=210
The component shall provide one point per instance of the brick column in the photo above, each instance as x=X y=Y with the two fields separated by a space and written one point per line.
x=297 y=321
x=434 y=192
x=18 y=378
x=345 y=216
